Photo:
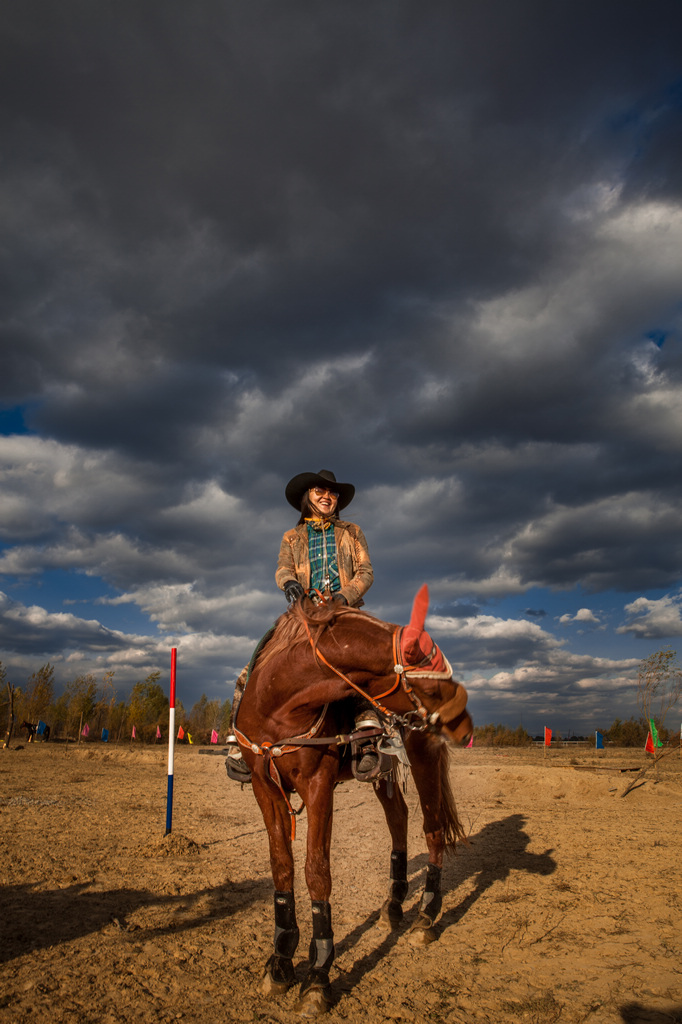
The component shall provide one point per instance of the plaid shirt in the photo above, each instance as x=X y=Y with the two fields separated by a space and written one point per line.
x=352 y=560
x=324 y=569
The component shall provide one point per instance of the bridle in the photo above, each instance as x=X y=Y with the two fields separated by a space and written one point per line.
x=418 y=719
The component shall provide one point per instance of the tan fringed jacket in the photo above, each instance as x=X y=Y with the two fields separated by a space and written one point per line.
x=355 y=568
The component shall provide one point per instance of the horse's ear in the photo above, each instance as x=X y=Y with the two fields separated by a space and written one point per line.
x=420 y=608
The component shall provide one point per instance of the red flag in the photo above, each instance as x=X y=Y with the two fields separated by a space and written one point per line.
x=649 y=746
x=134 y=733
x=158 y=732
x=181 y=733
x=214 y=737
x=548 y=737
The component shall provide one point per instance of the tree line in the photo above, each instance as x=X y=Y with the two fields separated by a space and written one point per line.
x=92 y=702
x=632 y=733
x=87 y=701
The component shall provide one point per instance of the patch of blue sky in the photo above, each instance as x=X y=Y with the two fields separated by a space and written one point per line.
x=559 y=612
x=13 y=420
x=60 y=590
x=658 y=337
x=644 y=115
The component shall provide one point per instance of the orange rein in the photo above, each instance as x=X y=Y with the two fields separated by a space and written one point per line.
x=398 y=669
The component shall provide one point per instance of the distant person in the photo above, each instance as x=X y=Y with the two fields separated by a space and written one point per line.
x=329 y=555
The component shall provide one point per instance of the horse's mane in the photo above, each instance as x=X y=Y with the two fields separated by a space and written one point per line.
x=304 y=621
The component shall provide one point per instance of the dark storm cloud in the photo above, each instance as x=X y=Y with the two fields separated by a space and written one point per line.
x=334 y=166
x=433 y=248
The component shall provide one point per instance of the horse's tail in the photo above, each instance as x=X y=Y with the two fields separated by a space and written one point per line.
x=452 y=826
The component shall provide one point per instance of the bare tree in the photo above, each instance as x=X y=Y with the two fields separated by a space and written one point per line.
x=39 y=694
x=4 y=681
x=659 y=688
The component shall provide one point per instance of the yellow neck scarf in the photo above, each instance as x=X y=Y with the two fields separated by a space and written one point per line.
x=318 y=523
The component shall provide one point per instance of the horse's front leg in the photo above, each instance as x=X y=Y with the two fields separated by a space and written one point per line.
x=422 y=930
x=279 y=970
x=318 y=796
x=395 y=812
x=427 y=770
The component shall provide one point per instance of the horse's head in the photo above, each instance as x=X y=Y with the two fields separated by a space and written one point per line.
x=428 y=671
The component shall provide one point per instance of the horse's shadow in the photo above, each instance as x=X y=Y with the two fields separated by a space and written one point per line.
x=33 y=918
x=636 y=1013
x=495 y=851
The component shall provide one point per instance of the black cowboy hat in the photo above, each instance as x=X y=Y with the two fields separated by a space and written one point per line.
x=298 y=486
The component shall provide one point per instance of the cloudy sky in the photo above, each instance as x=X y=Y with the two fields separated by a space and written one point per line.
x=436 y=248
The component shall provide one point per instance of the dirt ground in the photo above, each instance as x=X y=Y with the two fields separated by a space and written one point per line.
x=565 y=907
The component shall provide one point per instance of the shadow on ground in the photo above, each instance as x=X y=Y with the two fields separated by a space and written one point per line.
x=499 y=848
x=34 y=918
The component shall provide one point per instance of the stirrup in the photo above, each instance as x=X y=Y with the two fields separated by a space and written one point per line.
x=237 y=770
x=236 y=767
x=379 y=768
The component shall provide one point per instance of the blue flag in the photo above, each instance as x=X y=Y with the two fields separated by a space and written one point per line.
x=600 y=741
x=105 y=735
x=41 y=728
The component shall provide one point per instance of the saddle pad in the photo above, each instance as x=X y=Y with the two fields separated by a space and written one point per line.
x=258 y=648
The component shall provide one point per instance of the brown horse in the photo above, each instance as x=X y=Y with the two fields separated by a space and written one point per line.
x=290 y=726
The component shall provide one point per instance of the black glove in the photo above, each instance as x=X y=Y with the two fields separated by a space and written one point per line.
x=292 y=591
x=340 y=598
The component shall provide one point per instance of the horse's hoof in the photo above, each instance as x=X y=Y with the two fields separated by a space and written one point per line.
x=316 y=995
x=314 y=1003
x=270 y=987
x=279 y=976
x=422 y=931
x=391 y=915
x=422 y=936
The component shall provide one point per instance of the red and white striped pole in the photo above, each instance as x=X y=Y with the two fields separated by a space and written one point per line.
x=171 y=743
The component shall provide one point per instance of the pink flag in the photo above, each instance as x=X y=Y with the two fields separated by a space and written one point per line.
x=214 y=737
x=158 y=732
x=471 y=741
x=548 y=737
x=86 y=730
x=134 y=733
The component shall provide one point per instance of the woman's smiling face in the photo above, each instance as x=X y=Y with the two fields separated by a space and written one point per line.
x=322 y=500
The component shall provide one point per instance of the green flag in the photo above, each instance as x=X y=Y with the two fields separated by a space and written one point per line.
x=654 y=734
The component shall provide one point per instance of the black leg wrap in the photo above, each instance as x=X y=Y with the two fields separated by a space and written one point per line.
x=322 y=942
x=432 y=901
x=286 y=930
x=398 y=875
